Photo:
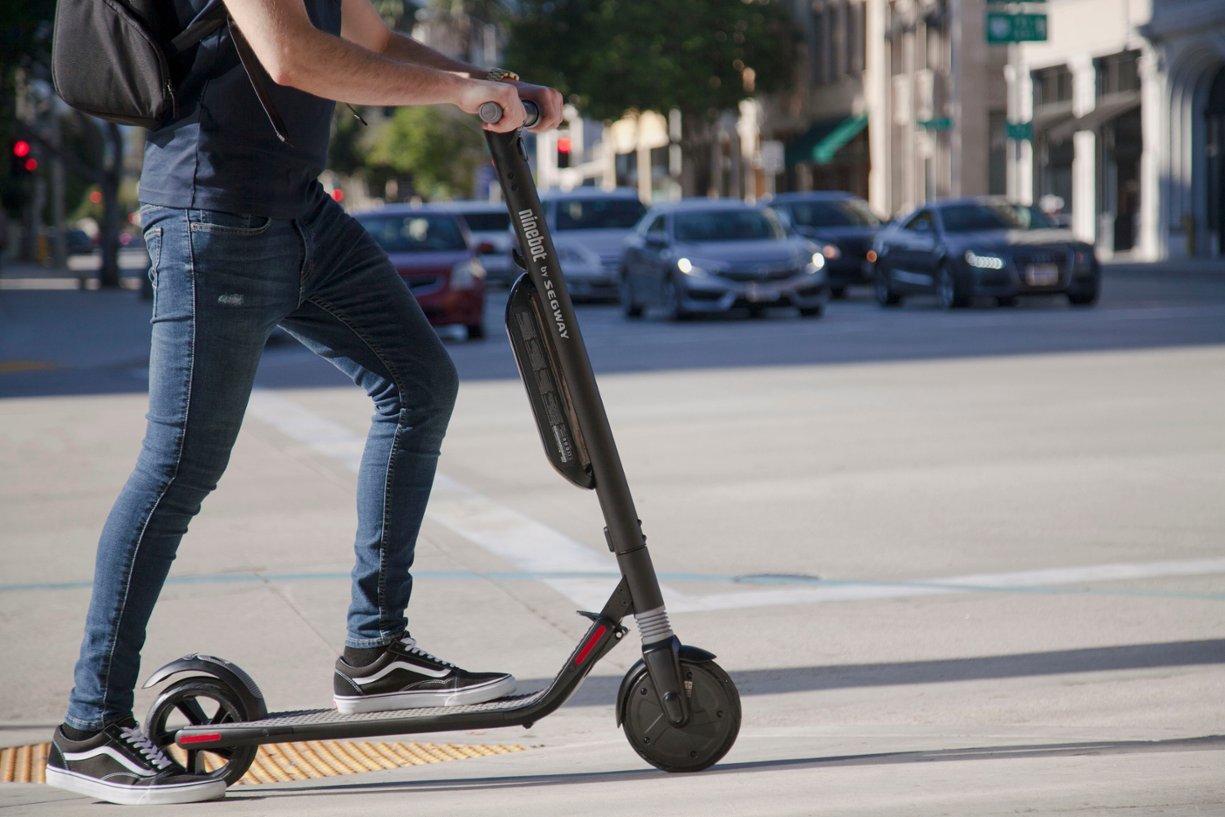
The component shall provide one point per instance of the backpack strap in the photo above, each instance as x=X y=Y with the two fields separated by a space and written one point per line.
x=259 y=80
x=208 y=23
x=204 y=25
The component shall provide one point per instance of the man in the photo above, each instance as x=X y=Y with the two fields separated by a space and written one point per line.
x=241 y=239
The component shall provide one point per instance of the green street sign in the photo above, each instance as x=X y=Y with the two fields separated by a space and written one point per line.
x=1005 y=27
x=1019 y=131
x=939 y=123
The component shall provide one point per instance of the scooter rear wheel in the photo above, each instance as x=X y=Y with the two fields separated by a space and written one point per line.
x=714 y=720
x=201 y=701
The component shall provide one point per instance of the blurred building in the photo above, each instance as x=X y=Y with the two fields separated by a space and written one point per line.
x=1110 y=113
x=898 y=101
x=1122 y=117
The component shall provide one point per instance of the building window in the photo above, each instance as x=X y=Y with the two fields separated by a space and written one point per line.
x=838 y=47
x=829 y=45
x=1118 y=73
x=997 y=156
x=935 y=48
x=820 y=31
x=1052 y=85
x=856 y=38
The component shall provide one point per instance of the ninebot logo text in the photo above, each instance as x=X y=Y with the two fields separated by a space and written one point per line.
x=535 y=248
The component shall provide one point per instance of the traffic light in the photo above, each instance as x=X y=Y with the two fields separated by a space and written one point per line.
x=563 y=151
x=23 y=162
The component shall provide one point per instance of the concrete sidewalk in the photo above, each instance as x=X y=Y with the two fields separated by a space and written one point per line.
x=895 y=694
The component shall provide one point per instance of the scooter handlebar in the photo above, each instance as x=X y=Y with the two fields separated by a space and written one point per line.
x=492 y=112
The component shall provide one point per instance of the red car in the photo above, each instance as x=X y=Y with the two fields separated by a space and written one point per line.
x=435 y=255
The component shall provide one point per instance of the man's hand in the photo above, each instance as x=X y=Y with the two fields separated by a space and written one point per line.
x=508 y=95
x=478 y=91
x=547 y=99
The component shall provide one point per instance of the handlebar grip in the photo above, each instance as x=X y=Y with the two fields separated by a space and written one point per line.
x=492 y=112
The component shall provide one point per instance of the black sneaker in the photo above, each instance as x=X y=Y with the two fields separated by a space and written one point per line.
x=121 y=765
x=405 y=677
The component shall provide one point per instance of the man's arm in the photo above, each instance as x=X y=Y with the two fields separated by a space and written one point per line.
x=364 y=26
x=297 y=54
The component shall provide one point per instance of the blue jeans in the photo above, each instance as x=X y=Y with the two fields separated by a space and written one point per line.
x=222 y=283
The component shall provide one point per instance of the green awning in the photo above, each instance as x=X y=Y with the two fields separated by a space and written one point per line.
x=821 y=142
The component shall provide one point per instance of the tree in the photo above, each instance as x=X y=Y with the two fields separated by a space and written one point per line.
x=700 y=57
x=439 y=148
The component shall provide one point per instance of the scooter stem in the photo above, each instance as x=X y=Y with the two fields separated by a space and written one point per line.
x=623 y=528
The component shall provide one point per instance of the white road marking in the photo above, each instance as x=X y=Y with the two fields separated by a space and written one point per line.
x=537 y=549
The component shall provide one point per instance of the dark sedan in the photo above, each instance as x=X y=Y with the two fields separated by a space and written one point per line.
x=435 y=255
x=707 y=256
x=960 y=249
x=842 y=223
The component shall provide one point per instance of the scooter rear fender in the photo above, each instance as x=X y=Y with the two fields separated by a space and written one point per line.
x=229 y=674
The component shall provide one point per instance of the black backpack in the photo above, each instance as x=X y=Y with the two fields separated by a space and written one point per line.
x=113 y=59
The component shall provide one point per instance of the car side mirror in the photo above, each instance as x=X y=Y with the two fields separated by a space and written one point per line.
x=656 y=242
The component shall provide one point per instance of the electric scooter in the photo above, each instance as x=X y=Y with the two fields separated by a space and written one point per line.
x=679 y=710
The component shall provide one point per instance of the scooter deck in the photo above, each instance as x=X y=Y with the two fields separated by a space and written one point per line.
x=321 y=724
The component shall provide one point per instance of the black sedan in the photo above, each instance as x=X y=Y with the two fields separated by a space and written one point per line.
x=959 y=249
x=842 y=223
x=707 y=256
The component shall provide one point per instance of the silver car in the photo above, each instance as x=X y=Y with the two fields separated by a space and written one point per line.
x=489 y=224
x=709 y=256
x=589 y=227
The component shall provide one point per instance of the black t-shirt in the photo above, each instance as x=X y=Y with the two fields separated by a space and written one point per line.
x=222 y=152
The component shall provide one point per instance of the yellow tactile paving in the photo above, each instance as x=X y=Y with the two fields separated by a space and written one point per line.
x=283 y=762
x=18 y=366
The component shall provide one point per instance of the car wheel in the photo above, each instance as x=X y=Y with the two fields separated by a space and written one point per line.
x=1083 y=297
x=885 y=295
x=1006 y=300
x=629 y=307
x=674 y=301
x=837 y=293
x=476 y=331
x=811 y=311
x=950 y=292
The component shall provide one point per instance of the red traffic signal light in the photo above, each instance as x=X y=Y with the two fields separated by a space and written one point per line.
x=22 y=162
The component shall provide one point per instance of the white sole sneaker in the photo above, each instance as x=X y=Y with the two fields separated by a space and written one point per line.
x=164 y=795
x=477 y=694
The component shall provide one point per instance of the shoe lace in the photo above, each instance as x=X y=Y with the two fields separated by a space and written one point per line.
x=151 y=751
x=410 y=644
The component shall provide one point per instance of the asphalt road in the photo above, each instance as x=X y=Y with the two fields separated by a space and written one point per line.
x=964 y=563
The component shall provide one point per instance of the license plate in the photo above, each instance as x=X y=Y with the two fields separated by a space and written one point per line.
x=1042 y=275
x=757 y=292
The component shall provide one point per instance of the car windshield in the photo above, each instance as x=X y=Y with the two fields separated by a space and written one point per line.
x=415 y=232
x=598 y=214
x=841 y=213
x=493 y=222
x=971 y=218
x=728 y=225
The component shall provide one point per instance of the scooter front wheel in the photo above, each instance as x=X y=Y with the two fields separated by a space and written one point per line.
x=714 y=718
x=200 y=701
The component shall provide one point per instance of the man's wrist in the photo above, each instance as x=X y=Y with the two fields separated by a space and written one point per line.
x=501 y=75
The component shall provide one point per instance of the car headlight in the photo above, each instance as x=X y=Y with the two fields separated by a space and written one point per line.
x=984 y=261
x=696 y=269
x=817 y=262
x=467 y=275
